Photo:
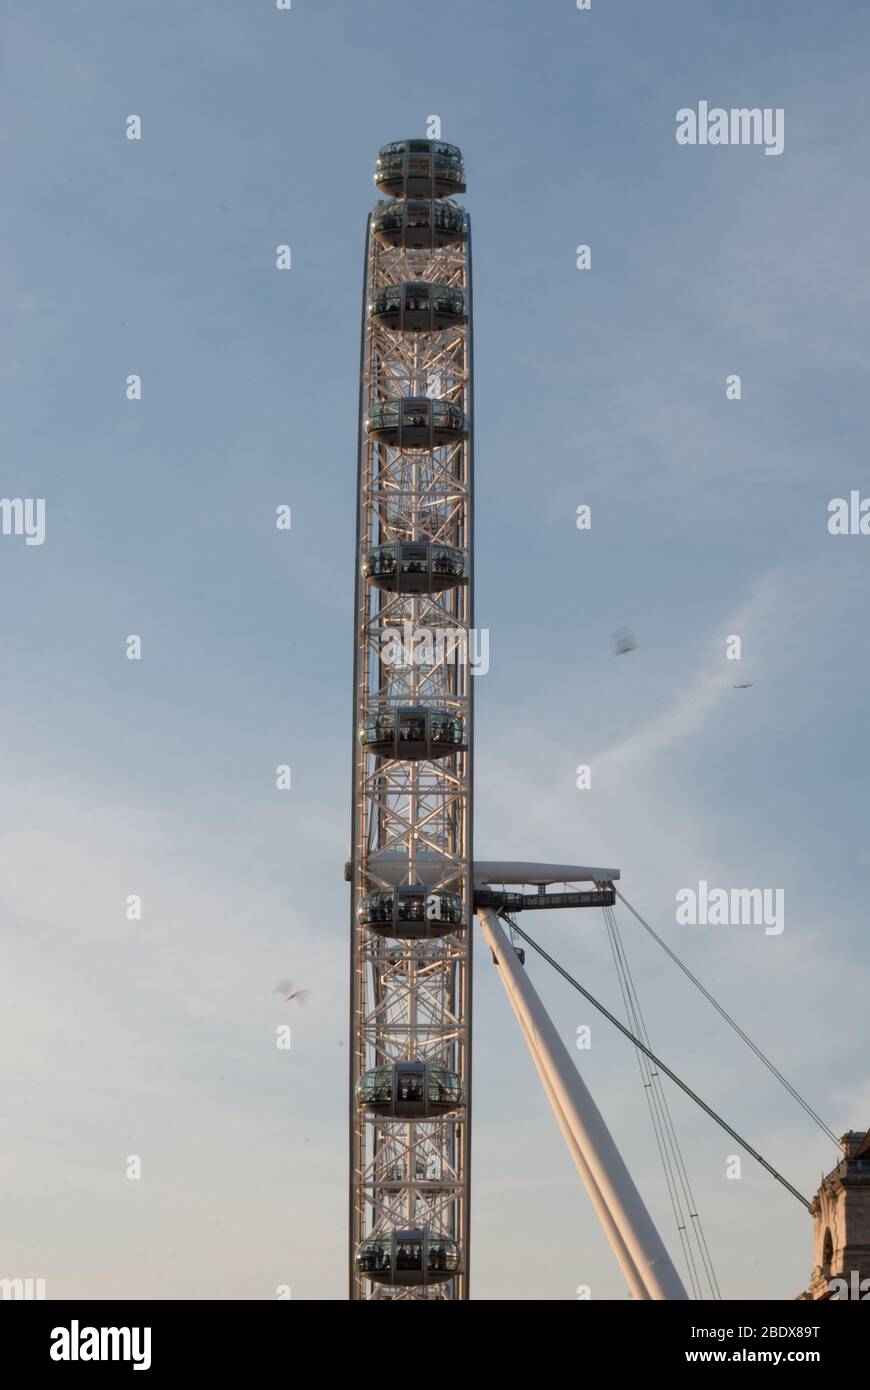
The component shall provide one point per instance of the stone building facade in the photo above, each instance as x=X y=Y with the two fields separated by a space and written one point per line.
x=841 y=1225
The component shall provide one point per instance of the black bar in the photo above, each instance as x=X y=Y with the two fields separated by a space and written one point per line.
x=231 y=1340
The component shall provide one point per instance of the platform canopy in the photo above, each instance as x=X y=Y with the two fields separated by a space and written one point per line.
x=389 y=867
x=526 y=871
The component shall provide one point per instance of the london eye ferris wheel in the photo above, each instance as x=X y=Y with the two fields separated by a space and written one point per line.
x=410 y=867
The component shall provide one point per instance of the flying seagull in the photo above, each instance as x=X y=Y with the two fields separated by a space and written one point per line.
x=290 y=992
x=624 y=640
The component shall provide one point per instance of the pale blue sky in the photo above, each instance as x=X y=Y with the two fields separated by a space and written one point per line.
x=604 y=387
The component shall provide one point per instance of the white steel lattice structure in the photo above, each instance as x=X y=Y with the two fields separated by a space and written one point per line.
x=412 y=894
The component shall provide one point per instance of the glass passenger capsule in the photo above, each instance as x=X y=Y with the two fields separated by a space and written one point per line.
x=409 y=1091
x=409 y=1257
x=409 y=168
x=418 y=306
x=413 y=732
x=416 y=422
x=415 y=567
x=420 y=224
x=412 y=911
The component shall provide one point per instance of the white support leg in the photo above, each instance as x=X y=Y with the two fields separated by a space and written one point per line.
x=635 y=1283
x=606 y=1177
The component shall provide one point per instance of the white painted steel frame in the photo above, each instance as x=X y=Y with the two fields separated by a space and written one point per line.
x=411 y=999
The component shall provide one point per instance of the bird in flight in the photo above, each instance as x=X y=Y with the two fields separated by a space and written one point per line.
x=624 y=641
x=290 y=992
x=747 y=686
